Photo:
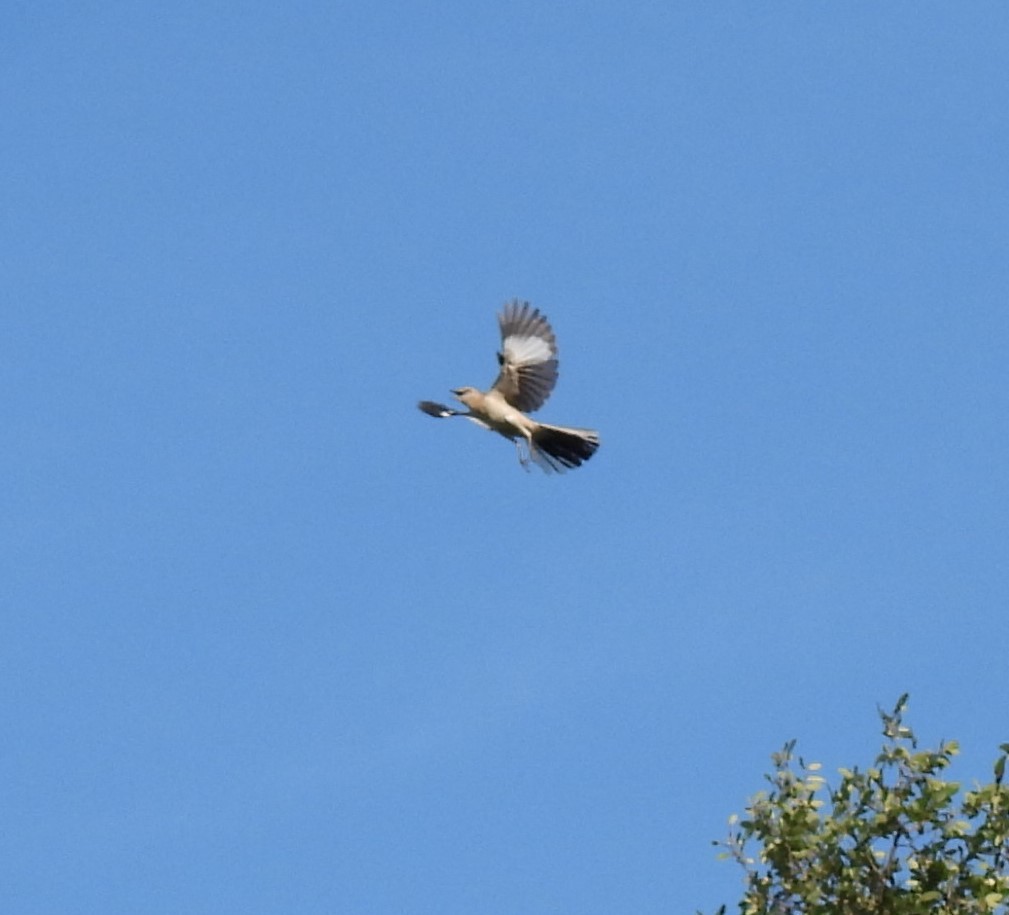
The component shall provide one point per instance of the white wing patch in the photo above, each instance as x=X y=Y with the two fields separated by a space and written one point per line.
x=527 y=350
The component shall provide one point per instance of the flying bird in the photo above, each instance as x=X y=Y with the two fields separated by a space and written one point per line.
x=528 y=373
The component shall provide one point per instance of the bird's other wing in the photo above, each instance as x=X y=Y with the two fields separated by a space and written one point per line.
x=436 y=409
x=528 y=357
x=440 y=411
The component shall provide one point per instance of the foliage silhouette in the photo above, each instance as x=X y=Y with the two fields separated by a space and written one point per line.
x=893 y=839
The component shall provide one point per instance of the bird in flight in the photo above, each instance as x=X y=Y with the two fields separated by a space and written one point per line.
x=528 y=373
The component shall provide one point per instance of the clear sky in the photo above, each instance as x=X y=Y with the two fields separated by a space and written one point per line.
x=274 y=641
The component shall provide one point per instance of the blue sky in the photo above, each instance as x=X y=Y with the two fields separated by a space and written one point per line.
x=275 y=641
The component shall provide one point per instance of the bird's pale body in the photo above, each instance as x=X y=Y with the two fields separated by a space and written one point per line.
x=492 y=411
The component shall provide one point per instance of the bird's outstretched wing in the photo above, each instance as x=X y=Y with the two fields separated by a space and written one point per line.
x=528 y=357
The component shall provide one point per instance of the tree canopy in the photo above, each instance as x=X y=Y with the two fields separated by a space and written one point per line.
x=895 y=838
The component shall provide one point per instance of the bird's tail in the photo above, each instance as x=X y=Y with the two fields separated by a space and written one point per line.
x=556 y=448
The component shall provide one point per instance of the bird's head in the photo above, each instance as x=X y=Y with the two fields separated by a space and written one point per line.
x=468 y=396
